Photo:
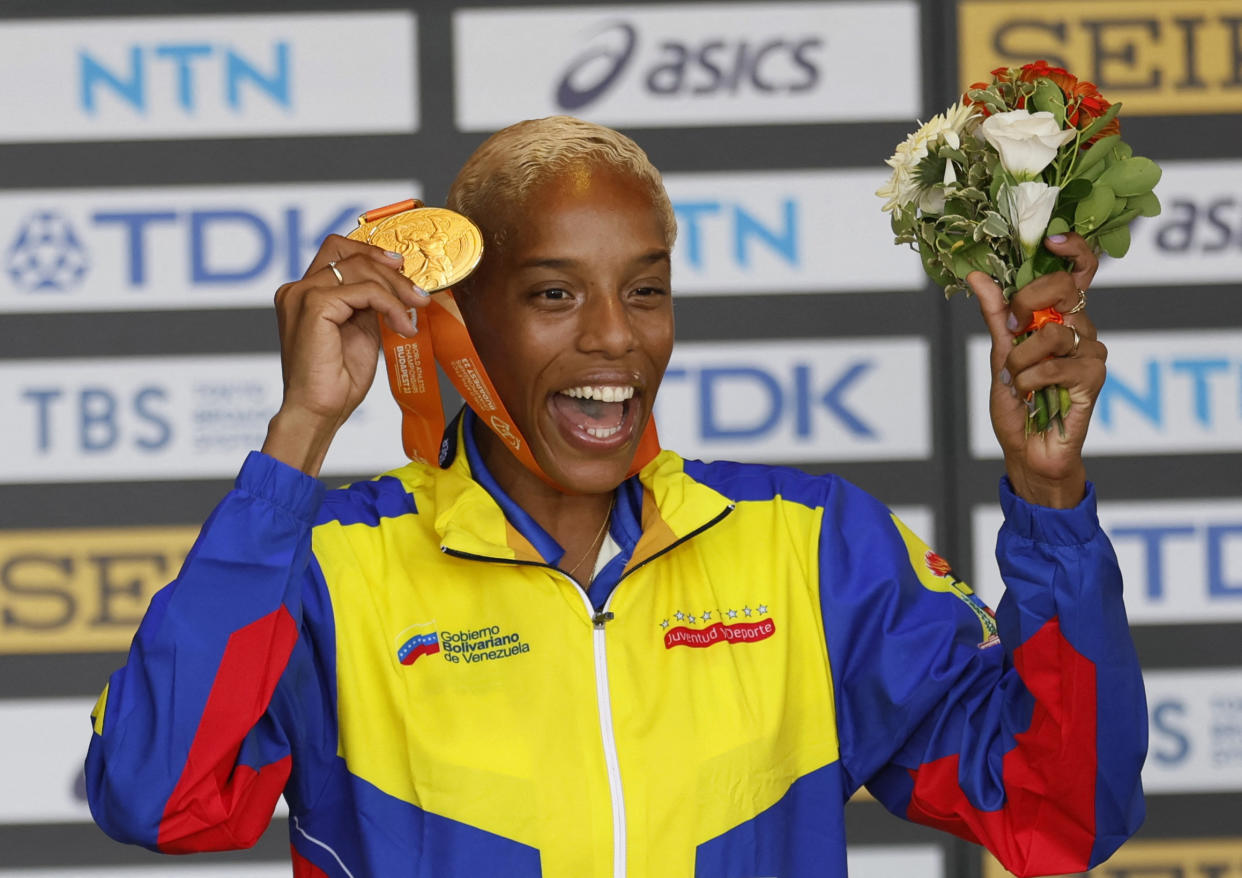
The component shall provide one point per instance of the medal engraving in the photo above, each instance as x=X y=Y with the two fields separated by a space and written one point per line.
x=441 y=247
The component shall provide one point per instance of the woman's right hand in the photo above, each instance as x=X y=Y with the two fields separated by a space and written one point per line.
x=330 y=340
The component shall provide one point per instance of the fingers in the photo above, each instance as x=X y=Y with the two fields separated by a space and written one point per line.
x=1072 y=247
x=363 y=278
x=337 y=248
x=995 y=315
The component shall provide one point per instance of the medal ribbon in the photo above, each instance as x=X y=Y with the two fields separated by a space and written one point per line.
x=442 y=338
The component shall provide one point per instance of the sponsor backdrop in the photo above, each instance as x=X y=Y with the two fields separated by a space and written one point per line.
x=161 y=174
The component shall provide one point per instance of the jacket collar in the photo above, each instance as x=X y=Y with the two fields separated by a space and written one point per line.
x=654 y=510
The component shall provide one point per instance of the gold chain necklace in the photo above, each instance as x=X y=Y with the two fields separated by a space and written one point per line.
x=607 y=518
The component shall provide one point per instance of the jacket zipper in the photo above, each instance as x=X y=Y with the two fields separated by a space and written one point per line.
x=603 y=694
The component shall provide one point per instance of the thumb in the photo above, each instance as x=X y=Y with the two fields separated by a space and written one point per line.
x=996 y=315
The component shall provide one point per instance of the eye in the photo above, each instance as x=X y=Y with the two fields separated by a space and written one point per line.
x=555 y=294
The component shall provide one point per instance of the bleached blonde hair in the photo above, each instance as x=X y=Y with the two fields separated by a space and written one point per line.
x=495 y=181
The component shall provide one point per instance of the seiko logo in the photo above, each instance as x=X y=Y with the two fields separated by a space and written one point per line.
x=698 y=68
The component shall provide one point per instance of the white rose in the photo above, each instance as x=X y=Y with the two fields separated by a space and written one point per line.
x=1029 y=206
x=1027 y=142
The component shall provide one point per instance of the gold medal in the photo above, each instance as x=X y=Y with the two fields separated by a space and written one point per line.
x=441 y=247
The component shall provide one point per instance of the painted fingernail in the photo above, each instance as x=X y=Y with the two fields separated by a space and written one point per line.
x=394 y=255
x=414 y=319
x=1005 y=377
x=1012 y=323
x=1013 y=391
x=419 y=290
x=1057 y=239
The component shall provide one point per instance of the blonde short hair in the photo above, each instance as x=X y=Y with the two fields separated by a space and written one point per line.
x=502 y=172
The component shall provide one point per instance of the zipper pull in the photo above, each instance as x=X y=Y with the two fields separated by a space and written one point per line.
x=601 y=617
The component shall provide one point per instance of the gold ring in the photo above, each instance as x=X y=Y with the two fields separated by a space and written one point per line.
x=340 y=278
x=1074 y=350
x=1082 y=303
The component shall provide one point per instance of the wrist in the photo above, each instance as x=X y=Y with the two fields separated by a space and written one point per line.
x=1063 y=491
x=300 y=439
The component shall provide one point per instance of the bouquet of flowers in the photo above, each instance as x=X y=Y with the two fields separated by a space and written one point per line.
x=1033 y=153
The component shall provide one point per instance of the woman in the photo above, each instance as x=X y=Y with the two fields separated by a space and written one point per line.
x=481 y=669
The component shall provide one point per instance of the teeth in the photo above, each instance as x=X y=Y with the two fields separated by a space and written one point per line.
x=603 y=432
x=604 y=393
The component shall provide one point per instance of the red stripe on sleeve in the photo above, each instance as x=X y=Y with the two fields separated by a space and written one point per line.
x=1047 y=825
x=218 y=805
x=304 y=868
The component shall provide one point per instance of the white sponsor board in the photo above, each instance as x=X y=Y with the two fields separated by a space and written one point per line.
x=797 y=400
x=1195 y=731
x=171 y=247
x=1166 y=393
x=172 y=866
x=689 y=64
x=164 y=417
x=785 y=231
x=208 y=76
x=888 y=861
x=1181 y=560
x=43 y=743
x=1195 y=239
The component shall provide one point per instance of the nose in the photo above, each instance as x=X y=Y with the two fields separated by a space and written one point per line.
x=606 y=326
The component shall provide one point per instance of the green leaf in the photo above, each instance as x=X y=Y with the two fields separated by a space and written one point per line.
x=1026 y=274
x=1146 y=204
x=1093 y=210
x=1121 y=219
x=1098 y=125
x=948 y=152
x=1058 y=226
x=994 y=225
x=1047 y=262
x=1116 y=242
x=1096 y=153
x=1131 y=176
x=1122 y=151
x=1049 y=97
x=1074 y=190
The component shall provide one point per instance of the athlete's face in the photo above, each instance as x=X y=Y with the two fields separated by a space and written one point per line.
x=574 y=323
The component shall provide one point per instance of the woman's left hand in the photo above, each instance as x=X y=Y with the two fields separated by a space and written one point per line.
x=1044 y=468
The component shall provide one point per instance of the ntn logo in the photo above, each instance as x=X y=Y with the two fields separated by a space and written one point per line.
x=189 y=72
x=734 y=228
x=1203 y=390
x=713 y=65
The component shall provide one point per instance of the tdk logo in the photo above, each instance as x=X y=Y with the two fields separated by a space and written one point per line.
x=46 y=255
x=193 y=74
x=697 y=68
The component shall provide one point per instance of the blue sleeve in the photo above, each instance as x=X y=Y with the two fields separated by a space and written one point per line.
x=1024 y=731
x=185 y=755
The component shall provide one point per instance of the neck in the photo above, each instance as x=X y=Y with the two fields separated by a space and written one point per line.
x=575 y=521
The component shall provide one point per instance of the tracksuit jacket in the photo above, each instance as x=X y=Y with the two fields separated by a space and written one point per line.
x=403 y=661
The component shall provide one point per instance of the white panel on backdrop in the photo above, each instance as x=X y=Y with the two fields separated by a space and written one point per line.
x=1198 y=236
x=164 y=417
x=1196 y=731
x=689 y=64
x=1166 y=393
x=785 y=231
x=1181 y=559
x=799 y=400
x=208 y=76
x=170 y=247
x=888 y=861
x=43 y=742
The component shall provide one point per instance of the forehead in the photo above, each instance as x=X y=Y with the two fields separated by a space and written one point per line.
x=582 y=194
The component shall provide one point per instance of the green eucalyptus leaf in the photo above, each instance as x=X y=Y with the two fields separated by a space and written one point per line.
x=1098 y=125
x=1048 y=97
x=1131 y=176
x=1097 y=152
x=1116 y=242
x=1092 y=173
x=1146 y=204
x=1122 y=219
x=1122 y=151
x=1119 y=207
x=1026 y=274
x=1074 y=190
x=1058 y=226
x=1093 y=210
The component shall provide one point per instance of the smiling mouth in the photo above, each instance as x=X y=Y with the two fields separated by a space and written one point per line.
x=598 y=411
